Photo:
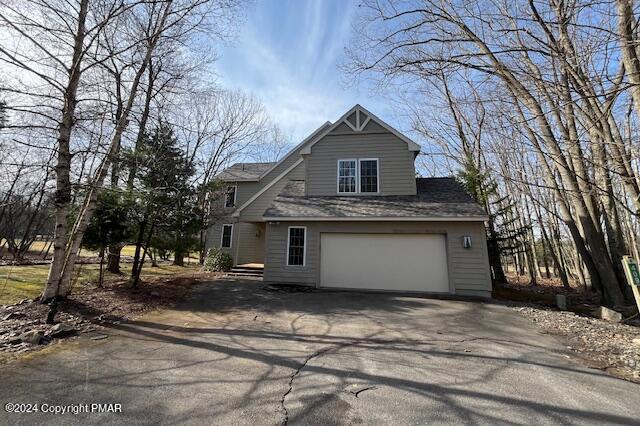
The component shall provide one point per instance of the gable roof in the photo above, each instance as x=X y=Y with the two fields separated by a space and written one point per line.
x=362 y=118
x=253 y=172
x=244 y=172
x=306 y=140
x=436 y=199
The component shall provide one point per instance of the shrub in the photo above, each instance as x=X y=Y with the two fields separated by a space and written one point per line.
x=217 y=260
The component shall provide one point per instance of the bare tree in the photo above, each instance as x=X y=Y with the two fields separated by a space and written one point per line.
x=549 y=81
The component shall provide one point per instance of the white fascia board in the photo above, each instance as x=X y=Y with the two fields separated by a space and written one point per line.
x=267 y=186
x=411 y=145
x=378 y=219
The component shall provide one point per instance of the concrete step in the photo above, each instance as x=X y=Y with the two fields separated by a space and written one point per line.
x=232 y=275
x=245 y=270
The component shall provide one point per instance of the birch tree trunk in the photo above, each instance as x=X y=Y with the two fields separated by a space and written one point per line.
x=59 y=284
x=63 y=166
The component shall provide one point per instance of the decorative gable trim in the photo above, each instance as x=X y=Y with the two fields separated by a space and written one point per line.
x=363 y=116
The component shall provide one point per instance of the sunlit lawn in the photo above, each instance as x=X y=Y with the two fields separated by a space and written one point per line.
x=128 y=250
x=27 y=281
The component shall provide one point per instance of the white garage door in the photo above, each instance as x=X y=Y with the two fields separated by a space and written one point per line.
x=384 y=262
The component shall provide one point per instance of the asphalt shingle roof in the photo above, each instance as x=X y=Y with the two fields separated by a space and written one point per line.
x=436 y=197
x=244 y=171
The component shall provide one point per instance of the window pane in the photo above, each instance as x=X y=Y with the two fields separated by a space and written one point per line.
x=347 y=184
x=369 y=176
x=296 y=247
x=230 y=197
x=347 y=176
x=226 y=235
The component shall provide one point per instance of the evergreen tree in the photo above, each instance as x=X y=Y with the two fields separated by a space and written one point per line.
x=111 y=223
x=168 y=212
x=502 y=239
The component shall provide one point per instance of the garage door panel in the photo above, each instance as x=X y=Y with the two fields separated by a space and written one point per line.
x=384 y=262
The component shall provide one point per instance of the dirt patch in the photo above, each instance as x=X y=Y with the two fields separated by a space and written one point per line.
x=23 y=325
x=117 y=301
x=519 y=288
x=611 y=347
x=543 y=285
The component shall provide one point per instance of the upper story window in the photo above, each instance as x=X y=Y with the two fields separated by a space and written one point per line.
x=369 y=175
x=230 y=197
x=358 y=176
x=347 y=176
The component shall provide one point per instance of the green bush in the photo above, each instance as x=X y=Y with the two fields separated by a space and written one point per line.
x=217 y=260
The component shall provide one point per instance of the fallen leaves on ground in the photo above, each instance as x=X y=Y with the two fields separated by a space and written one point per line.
x=613 y=347
x=23 y=328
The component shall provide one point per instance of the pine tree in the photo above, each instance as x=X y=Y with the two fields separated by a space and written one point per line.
x=503 y=237
x=111 y=223
x=168 y=212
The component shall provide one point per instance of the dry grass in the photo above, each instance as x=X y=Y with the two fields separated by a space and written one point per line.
x=39 y=246
x=19 y=282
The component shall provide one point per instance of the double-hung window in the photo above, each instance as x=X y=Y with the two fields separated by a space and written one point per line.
x=358 y=176
x=230 y=197
x=225 y=239
x=368 y=175
x=296 y=241
x=347 y=176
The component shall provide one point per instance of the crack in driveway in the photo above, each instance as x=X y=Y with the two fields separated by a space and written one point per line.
x=336 y=347
x=296 y=372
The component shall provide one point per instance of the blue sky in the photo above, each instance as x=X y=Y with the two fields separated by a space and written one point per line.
x=287 y=53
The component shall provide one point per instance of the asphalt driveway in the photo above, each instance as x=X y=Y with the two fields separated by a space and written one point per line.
x=239 y=354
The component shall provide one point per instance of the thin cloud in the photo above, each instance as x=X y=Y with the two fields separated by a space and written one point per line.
x=290 y=61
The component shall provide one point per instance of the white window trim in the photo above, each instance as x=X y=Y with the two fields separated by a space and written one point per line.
x=377 y=175
x=304 y=248
x=235 y=194
x=230 y=237
x=355 y=160
x=358 y=189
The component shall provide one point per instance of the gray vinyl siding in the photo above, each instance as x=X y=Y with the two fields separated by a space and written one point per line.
x=251 y=238
x=244 y=191
x=288 y=161
x=250 y=212
x=214 y=235
x=275 y=265
x=242 y=251
x=255 y=210
x=247 y=240
x=395 y=161
x=468 y=268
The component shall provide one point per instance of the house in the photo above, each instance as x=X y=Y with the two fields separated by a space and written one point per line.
x=344 y=209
